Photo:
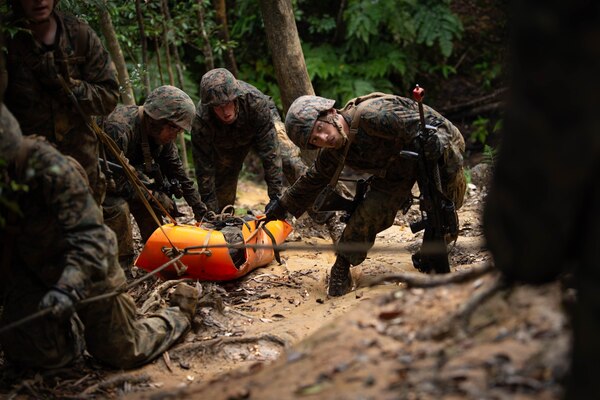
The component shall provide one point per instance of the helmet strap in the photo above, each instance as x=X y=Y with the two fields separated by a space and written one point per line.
x=332 y=119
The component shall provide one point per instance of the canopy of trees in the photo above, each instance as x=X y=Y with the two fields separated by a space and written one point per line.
x=351 y=47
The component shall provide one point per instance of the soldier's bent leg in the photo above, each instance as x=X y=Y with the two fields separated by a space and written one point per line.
x=226 y=182
x=117 y=218
x=144 y=220
x=374 y=214
x=115 y=337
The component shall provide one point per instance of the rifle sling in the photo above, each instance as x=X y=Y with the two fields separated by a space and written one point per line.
x=148 y=161
x=356 y=111
x=276 y=252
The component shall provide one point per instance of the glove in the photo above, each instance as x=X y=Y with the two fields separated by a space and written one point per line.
x=275 y=211
x=270 y=204
x=432 y=147
x=62 y=304
x=45 y=70
x=165 y=201
x=203 y=213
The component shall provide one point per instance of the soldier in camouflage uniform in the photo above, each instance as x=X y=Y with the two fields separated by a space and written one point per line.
x=386 y=125
x=56 y=252
x=146 y=135
x=231 y=118
x=53 y=44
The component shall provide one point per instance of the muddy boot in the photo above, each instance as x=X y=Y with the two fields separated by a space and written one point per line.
x=340 y=280
x=186 y=298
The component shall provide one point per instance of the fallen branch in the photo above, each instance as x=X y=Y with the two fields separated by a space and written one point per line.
x=418 y=280
x=193 y=348
x=458 y=323
x=233 y=310
x=115 y=381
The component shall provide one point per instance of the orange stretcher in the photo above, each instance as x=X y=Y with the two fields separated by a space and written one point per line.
x=210 y=259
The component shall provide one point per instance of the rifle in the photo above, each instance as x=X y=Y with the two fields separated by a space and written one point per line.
x=330 y=200
x=438 y=216
x=170 y=188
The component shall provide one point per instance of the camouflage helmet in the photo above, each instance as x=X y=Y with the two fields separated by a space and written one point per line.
x=301 y=118
x=10 y=135
x=171 y=103
x=219 y=86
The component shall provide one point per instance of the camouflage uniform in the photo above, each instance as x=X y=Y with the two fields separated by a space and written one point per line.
x=42 y=107
x=219 y=150
x=127 y=125
x=59 y=243
x=387 y=125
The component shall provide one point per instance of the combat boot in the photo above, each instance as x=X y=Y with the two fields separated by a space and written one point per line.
x=186 y=298
x=340 y=280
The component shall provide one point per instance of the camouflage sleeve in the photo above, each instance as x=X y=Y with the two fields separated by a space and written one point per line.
x=80 y=219
x=98 y=88
x=267 y=147
x=396 y=120
x=172 y=167
x=202 y=143
x=302 y=194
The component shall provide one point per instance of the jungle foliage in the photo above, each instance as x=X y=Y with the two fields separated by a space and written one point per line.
x=351 y=47
x=454 y=48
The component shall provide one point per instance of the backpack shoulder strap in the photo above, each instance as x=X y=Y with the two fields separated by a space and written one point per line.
x=354 y=108
x=148 y=160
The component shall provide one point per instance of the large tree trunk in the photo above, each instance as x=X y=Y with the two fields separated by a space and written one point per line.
x=166 y=23
x=284 y=43
x=173 y=46
x=223 y=34
x=207 y=48
x=108 y=30
x=144 y=45
x=288 y=58
x=165 y=33
x=159 y=61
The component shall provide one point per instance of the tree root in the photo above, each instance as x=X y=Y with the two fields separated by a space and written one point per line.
x=189 y=349
x=417 y=280
x=458 y=323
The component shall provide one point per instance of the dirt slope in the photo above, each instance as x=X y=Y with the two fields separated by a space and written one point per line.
x=276 y=335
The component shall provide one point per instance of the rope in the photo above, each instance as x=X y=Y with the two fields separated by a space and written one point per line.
x=179 y=253
x=89 y=300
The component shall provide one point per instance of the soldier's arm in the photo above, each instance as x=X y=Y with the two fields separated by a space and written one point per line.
x=302 y=194
x=202 y=153
x=98 y=90
x=85 y=255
